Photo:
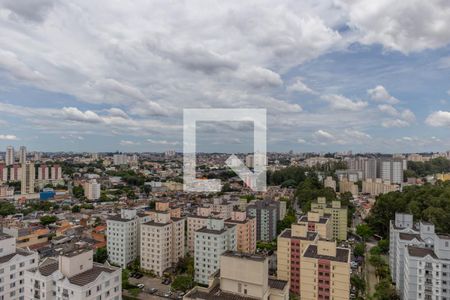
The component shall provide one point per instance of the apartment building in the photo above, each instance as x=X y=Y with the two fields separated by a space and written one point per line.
x=325 y=271
x=329 y=182
x=346 y=185
x=9 y=156
x=338 y=213
x=378 y=186
x=162 y=242
x=242 y=276
x=27 y=178
x=291 y=243
x=22 y=154
x=391 y=169
x=92 y=190
x=245 y=231
x=123 y=236
x=318 y=222
x=13 y=263
x=210 y=242
x=267 y=214
x=73 y=276
x=419 y=259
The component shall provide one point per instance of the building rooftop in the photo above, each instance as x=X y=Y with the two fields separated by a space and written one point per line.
x=342 y=254
x=255 y=257
x=277 y=284
x=4 y=236
x=118 y=218
x=215 y=293
x=19 y=251
x=409 y=236
x=310 y=235
x=90 y=275
x=421 y=252
x=322 y=220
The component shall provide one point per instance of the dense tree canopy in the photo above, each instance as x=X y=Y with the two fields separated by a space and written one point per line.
x=422 y=169
x=427 y=202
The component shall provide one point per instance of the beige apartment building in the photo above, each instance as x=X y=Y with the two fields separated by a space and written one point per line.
x=338 y=215
x=196 y=222
x=329 y=182
x=378 y=186
x=245 y=231
x=325 y=271
x=318 y=222
x=291 y=243
x=162 y=242
x=348 y=186
x=28 y=236
x=243 y=277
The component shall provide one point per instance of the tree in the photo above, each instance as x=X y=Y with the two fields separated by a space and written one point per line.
x=7 y=208
x=364 y=231
x=385 y=291
x=359 y=284
x=384 y=246
x=101 y=255
x=359 y=249
x=376 y=261
x=375 y=250
x=46 y=220
x=76 y=209
x=182 y=283
x=78 y=192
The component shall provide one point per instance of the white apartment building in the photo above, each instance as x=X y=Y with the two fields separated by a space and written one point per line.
x=13 y=264
x=210 y=242
x=419 y=259
x=122 y=236
x=22 y=154
x=391 y=170
x=92 y=190
x=162 y=242
x=9 y=156
x=120 y=159
x=73 y=276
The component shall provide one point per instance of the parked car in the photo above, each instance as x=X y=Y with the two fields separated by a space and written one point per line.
x=138 y=275
x=141 y=285
x=152 y=290
x=168 y=294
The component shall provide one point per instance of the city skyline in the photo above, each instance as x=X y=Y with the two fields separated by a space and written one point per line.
x=333 y=76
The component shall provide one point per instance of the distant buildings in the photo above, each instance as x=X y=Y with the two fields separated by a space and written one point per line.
x=338 y=213
x=73 y=276
x=120 y=159
x=210 y=242
x=392 y=169
x=329 y=182
x=346 y=186
x=419 y=259
x=13 y=263
x=27 y=178
x=267 y=213
x=9 y=156
x=162 y=242
x=92 y=190
x=22 y=154
x=378 y=186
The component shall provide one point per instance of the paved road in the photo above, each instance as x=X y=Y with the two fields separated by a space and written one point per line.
x=152 y=283
x=370 y=275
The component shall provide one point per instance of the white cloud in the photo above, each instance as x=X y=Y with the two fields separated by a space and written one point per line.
x=161 y=142
x=8 y=137
x=74 y=114
x=342 y=103
x=300 y=86
x=380 y=94
x=406 y=26
x=128 y=143
x=388 y=109
x=438 y=119
x=301 y=141
x=395 y=123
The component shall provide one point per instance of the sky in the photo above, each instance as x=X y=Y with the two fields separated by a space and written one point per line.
x=333 y=75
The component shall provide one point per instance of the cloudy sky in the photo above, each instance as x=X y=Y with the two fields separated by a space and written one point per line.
x=333 y=75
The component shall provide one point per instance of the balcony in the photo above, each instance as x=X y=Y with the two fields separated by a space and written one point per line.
x=37 y=296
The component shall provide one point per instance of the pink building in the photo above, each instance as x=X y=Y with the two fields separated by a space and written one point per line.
x=245 y=231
